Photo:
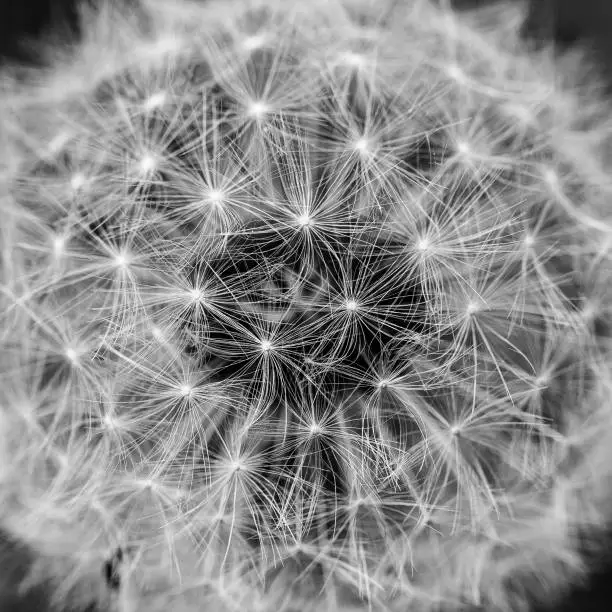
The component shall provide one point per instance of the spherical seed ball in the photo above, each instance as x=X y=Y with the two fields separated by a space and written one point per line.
x=304 y=306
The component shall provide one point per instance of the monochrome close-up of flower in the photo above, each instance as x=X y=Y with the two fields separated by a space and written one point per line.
x=305 y=306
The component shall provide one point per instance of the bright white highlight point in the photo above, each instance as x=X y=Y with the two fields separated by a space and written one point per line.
x=122 y=260
x=529 y=241
x=110 y=422
x=196 y=295
x=147 y=163
x=155 y=101
x=185 y=390
x=77 y=181
x=166 y=44
x=589 y=311
x=423 y=245
x=59 y=244
x=258 y=109
x=315 y=429
x=148 y=483
x=362 y=145
x=250 y=43
x=236 y=466
x=266 y=346
x=353 y=59
x=216 y=196
x=473 y=308
x=383 y=384
x=455 y=429
x=157 y=334
x=464 y=148
x=351 y=305
x=551 y=177
x=454 y=72
x=304 y=220
x=72 y=355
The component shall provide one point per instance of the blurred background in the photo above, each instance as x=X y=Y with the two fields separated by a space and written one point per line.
x=565 y=22
x=562 y=20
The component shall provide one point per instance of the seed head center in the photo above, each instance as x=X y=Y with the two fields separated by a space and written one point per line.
x=351 y=305
x=258 y=109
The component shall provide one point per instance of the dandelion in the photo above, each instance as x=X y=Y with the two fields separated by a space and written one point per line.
x=304 y=308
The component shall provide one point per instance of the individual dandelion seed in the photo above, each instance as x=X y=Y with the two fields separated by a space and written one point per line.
x=304 y=307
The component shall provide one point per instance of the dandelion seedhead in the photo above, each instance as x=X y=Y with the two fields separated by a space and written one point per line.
x=305 y=306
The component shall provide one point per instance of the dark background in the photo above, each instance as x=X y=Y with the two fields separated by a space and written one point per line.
x=564 y=21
